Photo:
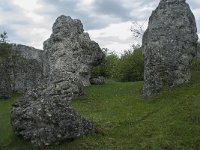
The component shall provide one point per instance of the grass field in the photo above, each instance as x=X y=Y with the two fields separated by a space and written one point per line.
x=170 y=121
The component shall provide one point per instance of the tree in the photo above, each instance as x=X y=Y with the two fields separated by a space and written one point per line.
x=128 y=67
x=3 y=37
x=108 y=67
x=5 y=48
x=5 y=63
x=131 y=66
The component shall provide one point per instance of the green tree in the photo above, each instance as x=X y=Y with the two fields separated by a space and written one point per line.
x=108 y=67
x=3 y=37
x=5 y=48
x=196 y=60
x=128 y=67
x=131 y=66
x=5 y=63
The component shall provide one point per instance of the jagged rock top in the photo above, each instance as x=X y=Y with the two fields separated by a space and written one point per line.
x=66 y=25
x=70 y=49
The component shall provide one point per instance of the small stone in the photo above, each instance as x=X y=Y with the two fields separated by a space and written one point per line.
x=97 y=81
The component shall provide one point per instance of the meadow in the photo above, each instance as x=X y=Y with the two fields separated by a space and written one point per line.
x=126 y=120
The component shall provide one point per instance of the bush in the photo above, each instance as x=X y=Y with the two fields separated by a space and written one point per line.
x=196 y=64
x=196 y=60
x=107 y=67
x=5 y=50
x=128 y=67
x=131 y=66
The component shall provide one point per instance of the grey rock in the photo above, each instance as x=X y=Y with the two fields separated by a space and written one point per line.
x=21 y=69
x=169 y=45
x=28 y=52
x=98 y=80
x=70 y=50
x=27 y=67
x=43 y=116
x=44 y=119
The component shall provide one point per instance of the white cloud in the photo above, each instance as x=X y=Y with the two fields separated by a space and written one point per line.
x=117 y=37
x=28 y=5
x=29 y=21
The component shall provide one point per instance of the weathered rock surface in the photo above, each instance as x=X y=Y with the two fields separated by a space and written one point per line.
x=43 y=116
x=69 y=50
x=20 y=69
x=28 y=52
x=44 y=119
x=169 y=45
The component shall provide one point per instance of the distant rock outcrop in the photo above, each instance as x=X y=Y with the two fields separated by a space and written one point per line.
x=43 y=116
x=27 y=68
x=28 y=52
x=20 y=69
x=169 y=45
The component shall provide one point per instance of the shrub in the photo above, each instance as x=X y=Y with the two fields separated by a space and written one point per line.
x=128 y=67
x=196 y=60
x=131 y=66
x=108 y=67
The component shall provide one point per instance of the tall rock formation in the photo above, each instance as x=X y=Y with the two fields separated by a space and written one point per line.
x=43 y=116
x=70 y=56
x=169 y=45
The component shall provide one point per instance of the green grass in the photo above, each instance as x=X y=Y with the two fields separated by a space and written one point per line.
x=125 y=120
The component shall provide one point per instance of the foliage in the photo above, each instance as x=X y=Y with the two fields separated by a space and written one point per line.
x=108 y=67
x=5 y=50
x=131 y=66
x=196 y=60
x=198 y=44
x=128 y=67
x=125 y=120
x=196 y=64
x=3 y=37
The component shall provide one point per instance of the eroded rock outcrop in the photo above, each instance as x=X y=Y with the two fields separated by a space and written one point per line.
x=21 y=68
x=169 y=45
x=43 y=116
x=45 y=119
x=70 y=56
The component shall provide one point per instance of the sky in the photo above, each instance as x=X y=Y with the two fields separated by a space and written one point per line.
x=108 y=22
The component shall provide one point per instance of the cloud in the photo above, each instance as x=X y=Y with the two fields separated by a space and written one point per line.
x=116 y=37
x=107 y=21
x=112 y=8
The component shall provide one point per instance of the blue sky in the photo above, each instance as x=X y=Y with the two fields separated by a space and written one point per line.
x=108 y=22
